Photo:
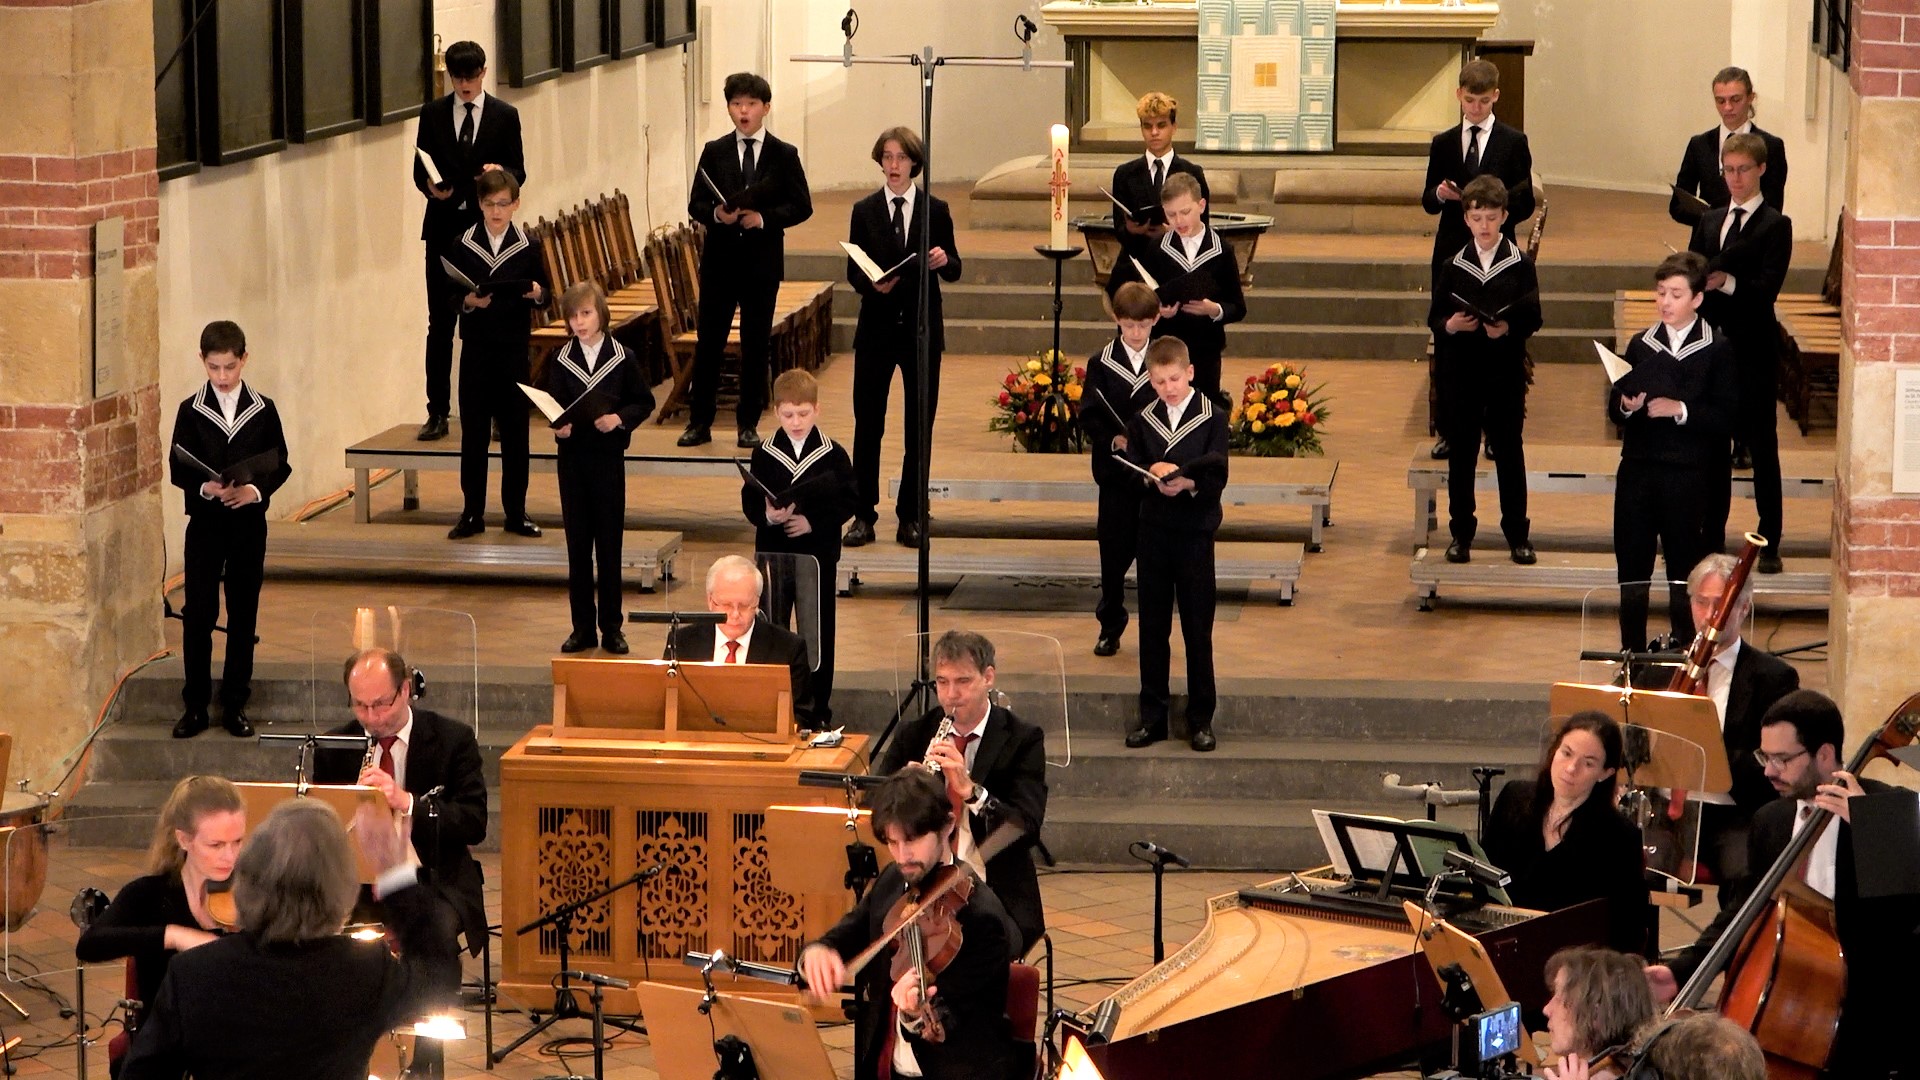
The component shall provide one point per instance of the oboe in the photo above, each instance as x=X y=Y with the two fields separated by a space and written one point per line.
x=941 y=734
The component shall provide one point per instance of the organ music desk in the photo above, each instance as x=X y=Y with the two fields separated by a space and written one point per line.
x=641 y=766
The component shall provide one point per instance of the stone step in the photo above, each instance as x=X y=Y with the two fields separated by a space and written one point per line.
x=122 y=815
x=140 y=753
x=1266 y=768
x=1226 y=834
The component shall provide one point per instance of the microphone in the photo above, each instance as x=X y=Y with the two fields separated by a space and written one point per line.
x=1023 y=29
x=1483 y=872
x=656 y=868
x=720 y=960
x=1162 y=854
x=598 y=979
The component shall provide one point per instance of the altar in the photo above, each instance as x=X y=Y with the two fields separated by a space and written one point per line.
x=1395 y=65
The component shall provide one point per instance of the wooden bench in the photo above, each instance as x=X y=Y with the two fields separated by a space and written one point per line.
x=397 y=448
x=1058 y=478
x=1589 y=470
x=356 y=548
x=1586 y=570
x=1080 y=559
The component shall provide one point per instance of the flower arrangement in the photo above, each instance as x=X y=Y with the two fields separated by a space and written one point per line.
x=1039 y=405
x=1278 y=415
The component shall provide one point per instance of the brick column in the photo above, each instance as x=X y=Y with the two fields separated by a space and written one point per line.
x=80 y=524
x=1875 y=619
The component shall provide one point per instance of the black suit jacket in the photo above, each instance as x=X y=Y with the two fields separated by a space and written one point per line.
x=1012 y=765
x=1512 y=289
x=440 y=753
x=1598 y=858
x=1110 y=377
x=496 y=142
x=820 y=482
x=1757 y=260
x=1700 y=373
x=1759 y=679
x=1133 y=185
x=1168 y=260
x=757 y=255
x=236 y=1009
x=770 y=644
x=972 y=998
x=201 y=428
x=1202 y=434
x=1700 y=174
x=1505 y=155
x=888 y=319
x=617 y=383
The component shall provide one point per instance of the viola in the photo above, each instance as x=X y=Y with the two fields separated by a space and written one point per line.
x=927 y=919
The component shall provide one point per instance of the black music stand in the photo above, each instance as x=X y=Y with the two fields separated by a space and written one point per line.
x=565 y=1007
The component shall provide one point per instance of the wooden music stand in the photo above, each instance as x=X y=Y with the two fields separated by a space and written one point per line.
x=1683 y=716
x=806 y=846
x=1446 y=944
x=785 y=1044
x=260 y=799
x=622 y=700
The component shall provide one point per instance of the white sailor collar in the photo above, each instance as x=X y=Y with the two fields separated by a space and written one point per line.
x=1210 y=246
x=816 y=447
x=1199 y=411
x=247 y=406
x=1114 y=357
x=573 y=359
x=475 y=241
x=1698 y=338
x=1505 y=254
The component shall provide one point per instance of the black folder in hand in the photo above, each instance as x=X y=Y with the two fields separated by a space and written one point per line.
x=245 y=471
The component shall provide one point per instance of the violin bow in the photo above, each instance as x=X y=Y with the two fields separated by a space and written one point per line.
x=1000 y=839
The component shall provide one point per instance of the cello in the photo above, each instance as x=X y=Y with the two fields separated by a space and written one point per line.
x=1786 y=974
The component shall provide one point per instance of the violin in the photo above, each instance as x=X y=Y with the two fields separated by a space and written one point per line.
x=927 y=920
x=221 y=906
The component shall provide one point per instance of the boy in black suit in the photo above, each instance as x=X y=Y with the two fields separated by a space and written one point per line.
x=1137 y=181
x=225 y=426
x=1748 y=246
x=1184 y=430
x=510 y=279
x=1700 y=166
x=1117 y=387
x=466 y=133
x=1675 y=409
x=801 y=464
x=1482 y=367
x=592 y=465
x=1190 y=246
x=912 y=815
x=887 y=226
x=734 y=588
x=744 y=258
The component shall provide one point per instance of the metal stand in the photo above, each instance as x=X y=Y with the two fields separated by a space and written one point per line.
x=922 y=432
x=1056 y=364
x=565 y=1007
x=1158 y=857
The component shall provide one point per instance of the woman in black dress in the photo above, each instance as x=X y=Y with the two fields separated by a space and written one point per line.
x=1562 y=838
x=196 y=842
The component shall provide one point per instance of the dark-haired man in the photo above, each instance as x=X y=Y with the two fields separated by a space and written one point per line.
x=969 y=998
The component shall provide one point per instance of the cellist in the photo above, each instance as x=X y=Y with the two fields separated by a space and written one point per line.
x=957 y=1029
x=1801 y=750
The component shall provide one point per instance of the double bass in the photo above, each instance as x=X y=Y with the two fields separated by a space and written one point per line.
x=1786 y=975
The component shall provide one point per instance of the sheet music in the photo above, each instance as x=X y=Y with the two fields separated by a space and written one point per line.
x=1616 y=365
x=433 y=171
x=545 y=402
x=1145 y=278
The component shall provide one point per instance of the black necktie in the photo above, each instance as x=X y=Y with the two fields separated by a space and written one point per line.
x=746 y=165
x=1733 y=230
x=1473 y=150
x=1159 y=175
x=899 y=222
x=466 y=129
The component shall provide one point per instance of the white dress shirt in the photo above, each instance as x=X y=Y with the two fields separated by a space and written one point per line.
x=1135 y=360
x=1175 y=412
x=591 y=353
x=906 y=208
x=1743 y=129
x=1166 y=165
x=1820 y=861
x=720 y=646
x=1466 y=135
x=460 y=114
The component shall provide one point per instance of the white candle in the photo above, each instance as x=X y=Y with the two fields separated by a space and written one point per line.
x=1057 y=239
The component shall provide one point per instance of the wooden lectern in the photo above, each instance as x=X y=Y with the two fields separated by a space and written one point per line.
x=784 y=1041
x=651 y=763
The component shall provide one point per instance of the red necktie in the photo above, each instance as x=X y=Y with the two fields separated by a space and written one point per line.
x=386 y=753
x=733 y=652
x=964 y=741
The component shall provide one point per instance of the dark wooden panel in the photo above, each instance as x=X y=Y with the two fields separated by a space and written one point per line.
x=399 y=58
x=241 y=76
x=674 y=22
x=583 y=34
x=529 y=42
x=175 y=113
x=630 y=27
x=325 y=95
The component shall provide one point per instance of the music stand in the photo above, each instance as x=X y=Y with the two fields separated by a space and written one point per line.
x=1684 y=716
x=781 y=1035
x=1447 y=945
x=801 y=839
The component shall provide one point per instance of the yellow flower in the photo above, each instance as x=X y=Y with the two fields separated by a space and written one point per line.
x=1235 y=416
x=1276 y=367
x=1256 y=409
x=1043 y=380
x=1073 y=391
x=1034 y=365
x=1256 y=394
x=1259 y=426
x=1285 y=419
x=1293 y=380
x=1299 y=404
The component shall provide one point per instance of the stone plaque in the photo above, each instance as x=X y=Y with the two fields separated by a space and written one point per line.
x=1906 y=432
x=109 y=307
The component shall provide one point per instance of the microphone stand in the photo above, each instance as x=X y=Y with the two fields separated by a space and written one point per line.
x=565 y=1007
x=1158 y=859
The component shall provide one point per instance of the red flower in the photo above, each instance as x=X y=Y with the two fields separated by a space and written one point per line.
x=1252 y=379
x=1005 y=398
x=1012 y=378
x=1079 y=373
x=1309 y=418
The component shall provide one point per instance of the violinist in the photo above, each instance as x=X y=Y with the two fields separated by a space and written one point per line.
x=957 y=1028
x=1561 y=838
x=154 y=917
x=1599 y=999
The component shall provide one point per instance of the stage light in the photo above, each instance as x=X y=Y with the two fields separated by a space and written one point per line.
x=442 y=1027
x=1075 y=1064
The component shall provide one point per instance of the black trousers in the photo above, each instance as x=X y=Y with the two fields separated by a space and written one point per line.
x=593 y=511
x=1656 y=503
x=785 y=594
x=443 y=318
x=1206 y=371
x=488 y=394
x=872 y=385
x=719 y=295
x=1176 y=568
x=1497 y=409
x=1118 y=525
x=1756 y=425
x=233 y=546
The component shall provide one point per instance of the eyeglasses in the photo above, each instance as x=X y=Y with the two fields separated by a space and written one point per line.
x=498 y=204
x=1778 y=761
x=382 y=705
x=1737 y=170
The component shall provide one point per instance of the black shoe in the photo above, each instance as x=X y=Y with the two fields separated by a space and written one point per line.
x=615 y=643
x=695 y=435
x=1202 y=739
x=908 y=534
x=467 y=526
x=1144 y=736
x=523 y=526
x=1742 y=459
x=859 y=534
x=747 y=439
x=1107 y=645
x=1441 y=450
x=1524 y=554
x=1458 y=552
x=577 y=642
x=191 y=723
x=1769 y=563
x=434 y=428
x=238 y=725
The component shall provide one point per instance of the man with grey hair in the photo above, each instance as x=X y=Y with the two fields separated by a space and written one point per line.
x=289 y=996
x=734 y=586
x=1704 y=1046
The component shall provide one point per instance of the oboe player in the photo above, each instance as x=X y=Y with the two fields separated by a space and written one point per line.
x=994 y=765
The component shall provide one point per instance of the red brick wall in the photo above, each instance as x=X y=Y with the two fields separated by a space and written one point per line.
x=49 y=204
x=67 y=459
